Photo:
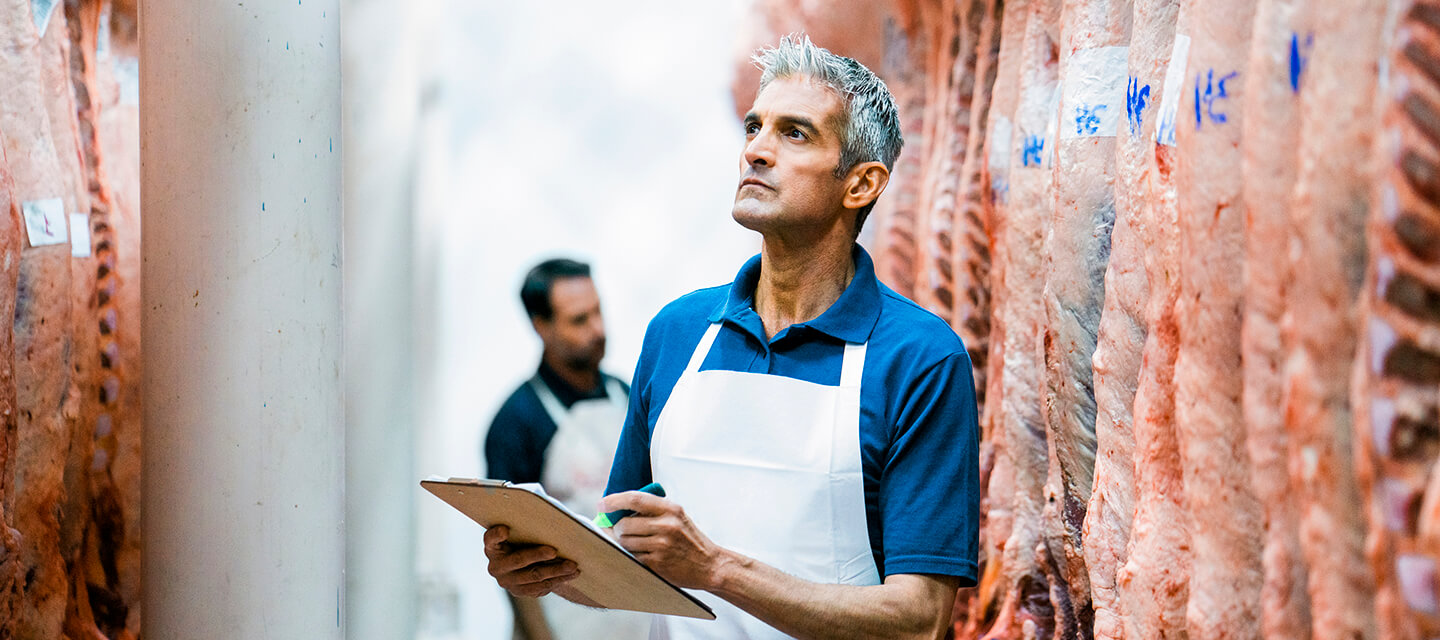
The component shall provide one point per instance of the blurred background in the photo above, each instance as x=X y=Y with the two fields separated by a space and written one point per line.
x=496 y=135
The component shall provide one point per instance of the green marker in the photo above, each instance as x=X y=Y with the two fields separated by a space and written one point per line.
x=607 y=520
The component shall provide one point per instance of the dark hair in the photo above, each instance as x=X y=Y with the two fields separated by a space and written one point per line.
x=535 y=291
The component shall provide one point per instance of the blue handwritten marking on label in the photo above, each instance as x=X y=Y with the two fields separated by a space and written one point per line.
x=1213 y=91
x=1165 y=129
x=1198 y=116
x=1087 y=118
x=1135 y=97
x=1299 y=58
x=1032 y=149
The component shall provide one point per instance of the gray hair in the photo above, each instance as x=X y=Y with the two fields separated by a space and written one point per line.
x=872 y=124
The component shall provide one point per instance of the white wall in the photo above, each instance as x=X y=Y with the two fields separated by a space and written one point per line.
x=555 y=128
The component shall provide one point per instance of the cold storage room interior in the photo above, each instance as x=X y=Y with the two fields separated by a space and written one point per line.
x=1192 y=250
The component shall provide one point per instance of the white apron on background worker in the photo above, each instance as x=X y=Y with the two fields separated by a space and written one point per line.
x=577 y=465
x=767 y=466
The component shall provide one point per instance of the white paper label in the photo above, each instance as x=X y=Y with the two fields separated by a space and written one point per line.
x=45 y=221
x=80 y=235
x=1000 y=138
x=1170 y=94
x=1037 y=123
x=41 y=10
x=102 y=35
x=1002 y=135
x=127 y=75
x=1094 y=93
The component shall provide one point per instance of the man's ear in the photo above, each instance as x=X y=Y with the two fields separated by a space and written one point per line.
x=541 y=326
x=864 y=183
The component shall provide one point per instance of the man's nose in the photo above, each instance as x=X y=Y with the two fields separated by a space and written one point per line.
x=597 y=326
x=760 y=151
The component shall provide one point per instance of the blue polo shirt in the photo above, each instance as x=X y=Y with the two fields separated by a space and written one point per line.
x=919 y=427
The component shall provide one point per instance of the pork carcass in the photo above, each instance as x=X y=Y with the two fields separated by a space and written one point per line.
x=1154 y=581
x=40 y=153
x=971 y=318
x=1396 y=393
x=971 y=257
x=937 y=28
x=12 y=570
x=1122 y=331
x=943 y=142
x=1279 y=47
x=1093 y=53
x=907 y=50
x=997 y=501
x=109 y=421
x=1027 y=597
x=1225 y=585
x=117 y=248
x=1326 y=266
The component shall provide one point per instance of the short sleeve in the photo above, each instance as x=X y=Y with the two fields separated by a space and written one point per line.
x=930 y=491
x=516 y=442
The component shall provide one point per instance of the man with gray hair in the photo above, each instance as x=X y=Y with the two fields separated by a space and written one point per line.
x=816 y=433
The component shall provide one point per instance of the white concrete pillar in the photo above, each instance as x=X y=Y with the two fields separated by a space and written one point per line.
x=384 y=53
x=243 y=493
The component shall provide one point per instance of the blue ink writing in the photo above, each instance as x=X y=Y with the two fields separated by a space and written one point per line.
x=1208 y=94
x=1299 y=58
x=1197 y=103
x=1087 y=119
x=1033 y=147
x=1165 y=129
x=1135 y=97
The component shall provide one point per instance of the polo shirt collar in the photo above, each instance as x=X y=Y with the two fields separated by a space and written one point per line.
x=851 y=318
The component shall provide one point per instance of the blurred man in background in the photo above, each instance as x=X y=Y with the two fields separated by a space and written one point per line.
x=560 y=429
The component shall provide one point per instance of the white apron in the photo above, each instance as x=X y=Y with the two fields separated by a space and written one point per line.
x=767 y=466
x=577 y=467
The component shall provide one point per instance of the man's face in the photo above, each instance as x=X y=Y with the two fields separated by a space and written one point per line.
x=575 y=333
x=792 y=147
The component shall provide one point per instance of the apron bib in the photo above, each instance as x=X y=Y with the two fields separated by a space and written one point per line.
x=577 y=466
x=768 y=466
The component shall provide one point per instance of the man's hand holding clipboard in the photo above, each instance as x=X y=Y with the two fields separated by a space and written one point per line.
x=528 y=570
x=537 y=547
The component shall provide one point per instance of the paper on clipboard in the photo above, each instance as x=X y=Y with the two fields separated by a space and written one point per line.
x=537 y=489
x=609 y=575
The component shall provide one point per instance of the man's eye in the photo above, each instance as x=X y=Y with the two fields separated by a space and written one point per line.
x=796 y=134
x=751 y=128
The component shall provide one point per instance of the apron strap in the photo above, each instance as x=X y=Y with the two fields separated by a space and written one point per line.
x=548 y=400
x=616 y=392
x=557 y=411
x=702 y=348
x=852 y=365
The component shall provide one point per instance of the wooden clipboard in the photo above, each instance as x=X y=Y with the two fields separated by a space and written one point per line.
x=609 y=575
